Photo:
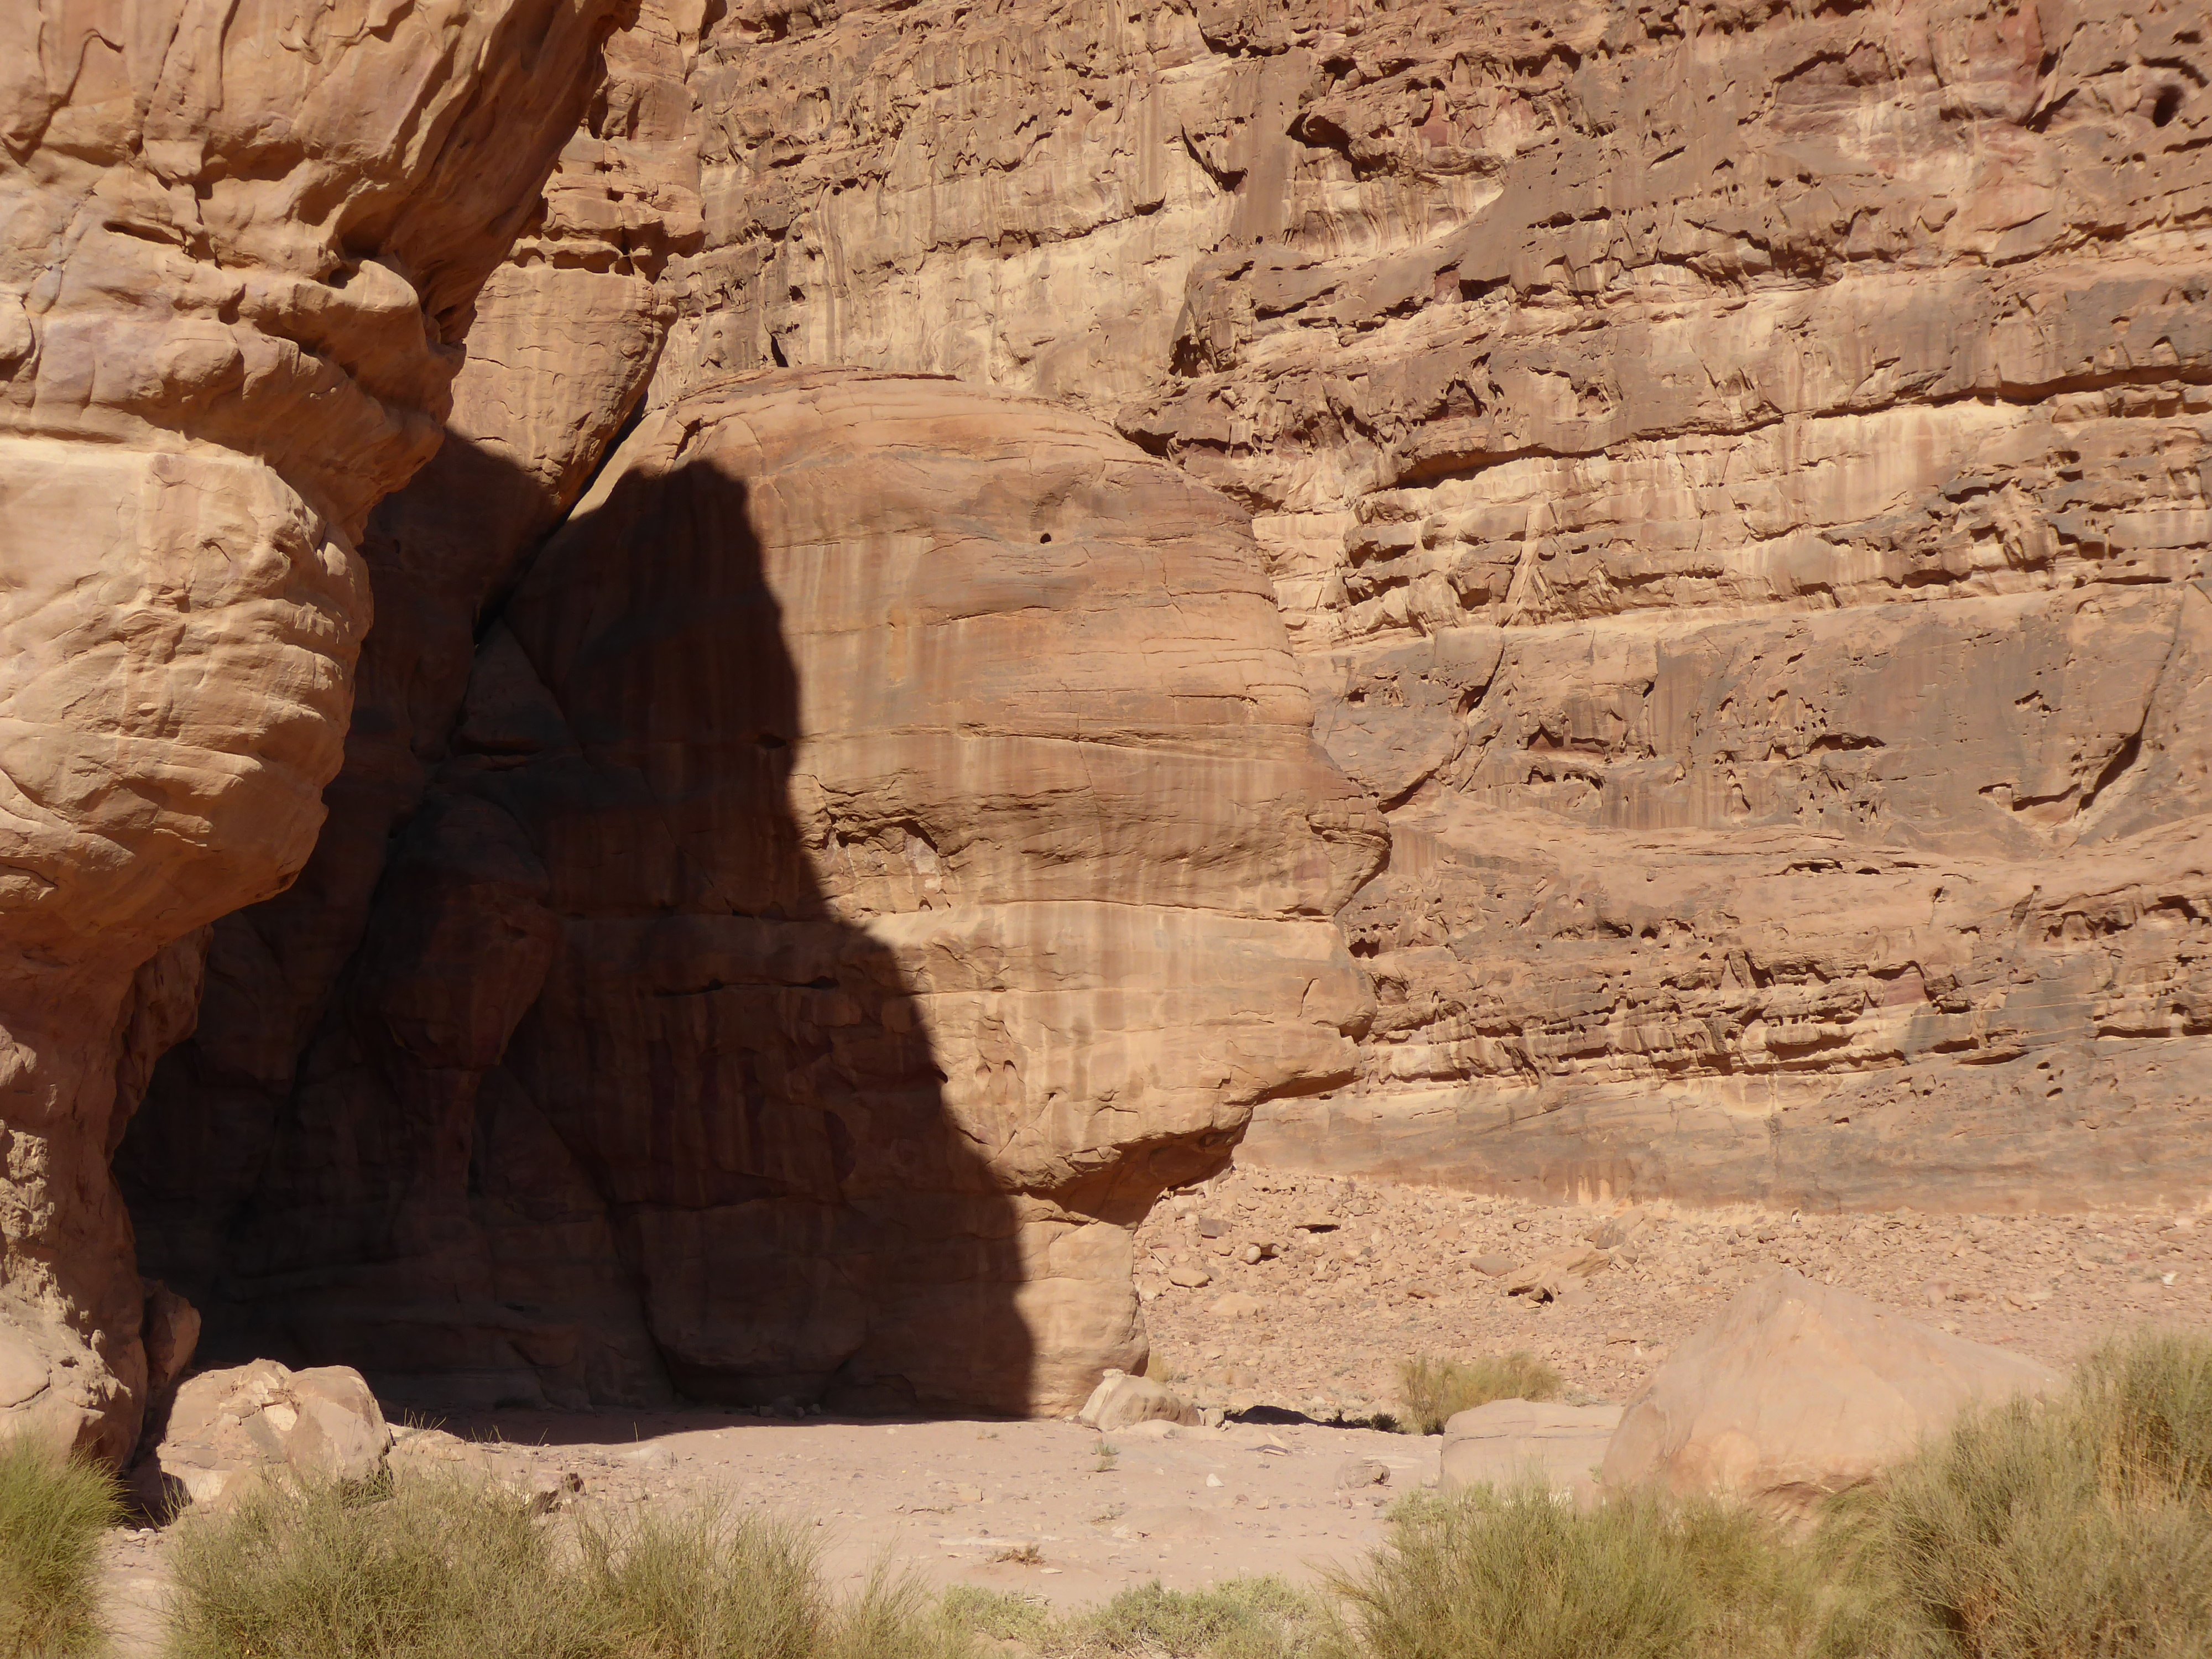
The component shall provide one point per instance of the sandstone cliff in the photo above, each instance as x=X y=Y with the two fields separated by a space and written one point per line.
x=239 y=254
x=1733 y=479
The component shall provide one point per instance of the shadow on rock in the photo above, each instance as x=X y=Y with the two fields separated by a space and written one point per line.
x=609 y=1104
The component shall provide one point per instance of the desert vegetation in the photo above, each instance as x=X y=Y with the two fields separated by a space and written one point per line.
x=1433 y=1391
x=2075 y=1527
x=52 y=1512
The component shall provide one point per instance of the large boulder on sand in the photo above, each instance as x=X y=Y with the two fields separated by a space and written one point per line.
x=1123 y=1401
x=226 y=1428
x=1509 y=1442
x=1797 y=1391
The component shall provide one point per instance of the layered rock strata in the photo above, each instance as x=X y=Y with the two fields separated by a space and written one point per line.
x=883 y=846
x=241 y=252
x=1734 y=479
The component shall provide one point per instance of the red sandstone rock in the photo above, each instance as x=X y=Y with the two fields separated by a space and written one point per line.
x=1797 y=1391
x=240 y=254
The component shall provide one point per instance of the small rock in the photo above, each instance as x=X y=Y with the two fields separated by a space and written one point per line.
x=1190 y=1276
x=1357 y=1472
x=1495 y=1266
x=227 y=1427
x=1120 y=1400
x=553 y=1490
x=1615 y=1230
x=1546 y=1280
x=1235 y=1306
x=1211 y=1227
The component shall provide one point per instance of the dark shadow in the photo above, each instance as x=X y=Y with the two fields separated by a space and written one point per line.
x=608 y=1106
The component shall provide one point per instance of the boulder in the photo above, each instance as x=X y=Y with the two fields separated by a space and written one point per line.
x=1509 y=1441
x=1797 y=1391
x=227 y=1428
x=1122 y=1401
x=1555 y=1275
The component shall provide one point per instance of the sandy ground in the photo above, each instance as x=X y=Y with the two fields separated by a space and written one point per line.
x=1352 y=1279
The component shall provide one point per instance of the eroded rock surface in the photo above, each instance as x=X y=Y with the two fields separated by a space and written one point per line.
x=240 y=254
x=1735 y=482
x=882 y=848
x=1798 y=1391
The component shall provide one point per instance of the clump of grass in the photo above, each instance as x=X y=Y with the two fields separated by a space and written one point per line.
x=52 y=1512
x=440 y=1568
x=434 y=1568
x=1520 y=1575
x=1000 y=1615
x=1245 y=1619
x=2074 y=1528
x=1434 y=1390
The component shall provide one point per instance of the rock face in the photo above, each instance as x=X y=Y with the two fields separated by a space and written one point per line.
x=1797 y=1391
x=1735 y=483
x=238 y=259
x=883 y=847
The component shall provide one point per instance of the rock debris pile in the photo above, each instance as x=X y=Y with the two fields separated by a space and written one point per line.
x=1273 y=1288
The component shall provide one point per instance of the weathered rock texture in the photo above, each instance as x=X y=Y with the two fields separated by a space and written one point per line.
x=1734 y=475
x=883 y=846
x=240 y=249
x=1797 y=1391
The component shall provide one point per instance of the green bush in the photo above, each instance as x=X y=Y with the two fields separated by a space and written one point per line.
x=1522 y=1575
x=1245 y=1619
x=52 y=1512
x=1435 y=1390
x=2076 y=1528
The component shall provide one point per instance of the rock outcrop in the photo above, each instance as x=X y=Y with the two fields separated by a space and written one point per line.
x=1795 y=1392
x=240 y=254
x=883 y=847
x=1736 y=480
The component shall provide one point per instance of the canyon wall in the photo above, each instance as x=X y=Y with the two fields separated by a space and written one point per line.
x=1734 y=475
x=1731 y=477
x=239 y=252
x=881 y=848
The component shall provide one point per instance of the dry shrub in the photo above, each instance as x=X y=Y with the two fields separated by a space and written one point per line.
x=1435 y=1390
x=1522 y=1575
x=444 y=1568
x=2074 y=1528
x=438 y=1568
x=53 y=1510
x=1245 y=1619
